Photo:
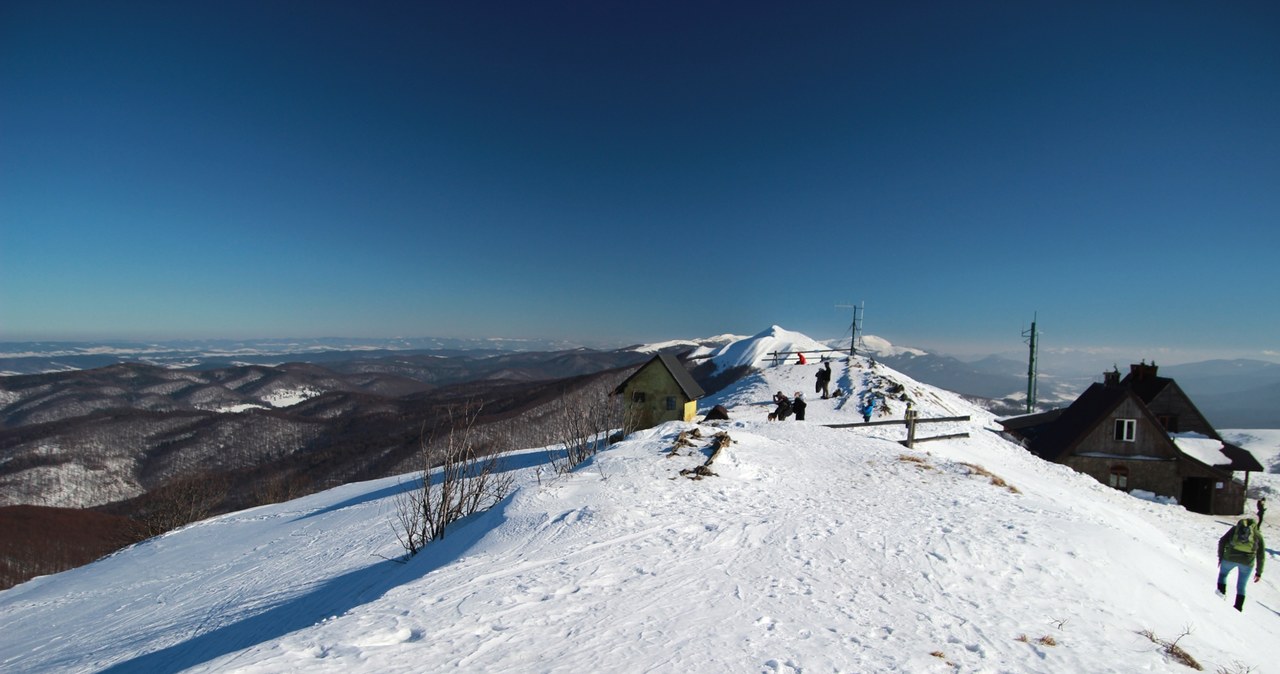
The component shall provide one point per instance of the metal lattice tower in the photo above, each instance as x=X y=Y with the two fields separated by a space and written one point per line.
x=855 y=328
x=1033 y=340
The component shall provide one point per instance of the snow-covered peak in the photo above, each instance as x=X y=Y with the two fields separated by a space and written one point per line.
x=700 y=347
x=755 y=351
x=881 y=347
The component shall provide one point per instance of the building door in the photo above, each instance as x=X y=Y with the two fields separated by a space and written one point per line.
x=1197 y=494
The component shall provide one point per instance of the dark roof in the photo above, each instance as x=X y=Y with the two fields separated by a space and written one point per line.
x=1241 y=459
x=1075 y=421
x=678 y=372
x=1147 y=388
x=1031 y=420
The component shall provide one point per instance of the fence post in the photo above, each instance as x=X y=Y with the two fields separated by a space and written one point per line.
x=911 y=427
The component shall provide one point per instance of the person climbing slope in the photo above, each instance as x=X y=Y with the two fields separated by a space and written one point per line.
x=1241 y=549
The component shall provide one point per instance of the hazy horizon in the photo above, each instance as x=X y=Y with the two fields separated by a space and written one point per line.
x=621 y=172
x=1082 y=359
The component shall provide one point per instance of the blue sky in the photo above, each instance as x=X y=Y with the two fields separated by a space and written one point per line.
x=638 y=171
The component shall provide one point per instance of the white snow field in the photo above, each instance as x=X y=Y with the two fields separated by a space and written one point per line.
x=812 y=549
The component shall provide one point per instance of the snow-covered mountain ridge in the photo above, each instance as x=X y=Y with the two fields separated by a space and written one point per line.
x=811 y=549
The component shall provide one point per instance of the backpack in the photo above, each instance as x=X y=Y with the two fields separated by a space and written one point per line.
x=1245 y=536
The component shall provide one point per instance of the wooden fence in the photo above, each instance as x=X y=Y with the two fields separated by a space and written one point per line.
x=911 y=421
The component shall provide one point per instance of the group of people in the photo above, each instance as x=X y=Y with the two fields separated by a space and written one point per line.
x=1242 y=550
x=787 y=406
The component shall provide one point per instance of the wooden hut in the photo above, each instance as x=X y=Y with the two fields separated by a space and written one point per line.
x=1142 y=432
x=661 y=390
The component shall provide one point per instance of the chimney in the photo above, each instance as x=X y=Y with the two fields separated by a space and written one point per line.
x=1111 y=378
x=1142 y=371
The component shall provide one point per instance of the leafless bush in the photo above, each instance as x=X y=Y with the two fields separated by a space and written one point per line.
x=1172 y=649
x=583 y=425
x=458 y=479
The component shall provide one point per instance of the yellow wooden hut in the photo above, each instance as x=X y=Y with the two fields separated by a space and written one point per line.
x=661 y=390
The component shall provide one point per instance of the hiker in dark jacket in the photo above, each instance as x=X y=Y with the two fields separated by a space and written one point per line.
x=1262 y=510
x=824 y=379
x=798 y=406
x=784 y=406
x=1243 y=550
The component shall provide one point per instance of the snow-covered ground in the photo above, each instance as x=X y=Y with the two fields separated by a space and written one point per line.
x=812 y=549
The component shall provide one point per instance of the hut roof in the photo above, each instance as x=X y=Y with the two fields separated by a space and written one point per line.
x=678 y=372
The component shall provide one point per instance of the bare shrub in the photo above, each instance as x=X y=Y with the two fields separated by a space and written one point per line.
x=1172 y=649
x=457 y=480
x=584 y=424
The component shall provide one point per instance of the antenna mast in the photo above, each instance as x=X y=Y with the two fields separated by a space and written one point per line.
x=1033 y=340
x=855 y=328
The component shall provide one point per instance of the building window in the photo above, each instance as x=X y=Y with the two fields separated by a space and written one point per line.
x=671 y=403
x=637 y=397
x=1126 y=429
x=1120 y=477
x=1169 y=421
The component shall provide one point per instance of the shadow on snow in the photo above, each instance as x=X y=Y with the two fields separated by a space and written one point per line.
x=332 y=597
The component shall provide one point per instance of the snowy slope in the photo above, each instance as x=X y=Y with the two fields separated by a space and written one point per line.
x=812 y=549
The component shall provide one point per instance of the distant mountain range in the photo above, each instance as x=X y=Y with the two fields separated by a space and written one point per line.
x=39 y=357
x=1231 y=393
x=86 y=438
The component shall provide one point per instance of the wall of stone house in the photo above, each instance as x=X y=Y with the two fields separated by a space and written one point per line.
x=1158 y=477
x=1150 y=440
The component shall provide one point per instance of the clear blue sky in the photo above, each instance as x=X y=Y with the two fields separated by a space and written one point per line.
x=637 y=171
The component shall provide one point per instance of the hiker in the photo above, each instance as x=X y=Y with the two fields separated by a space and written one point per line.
x=824 y=379
x=784 y=406
x=1262 y=510
x=802 y=360
x=867 y=408
x=1243 y=550
x=798 y=406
